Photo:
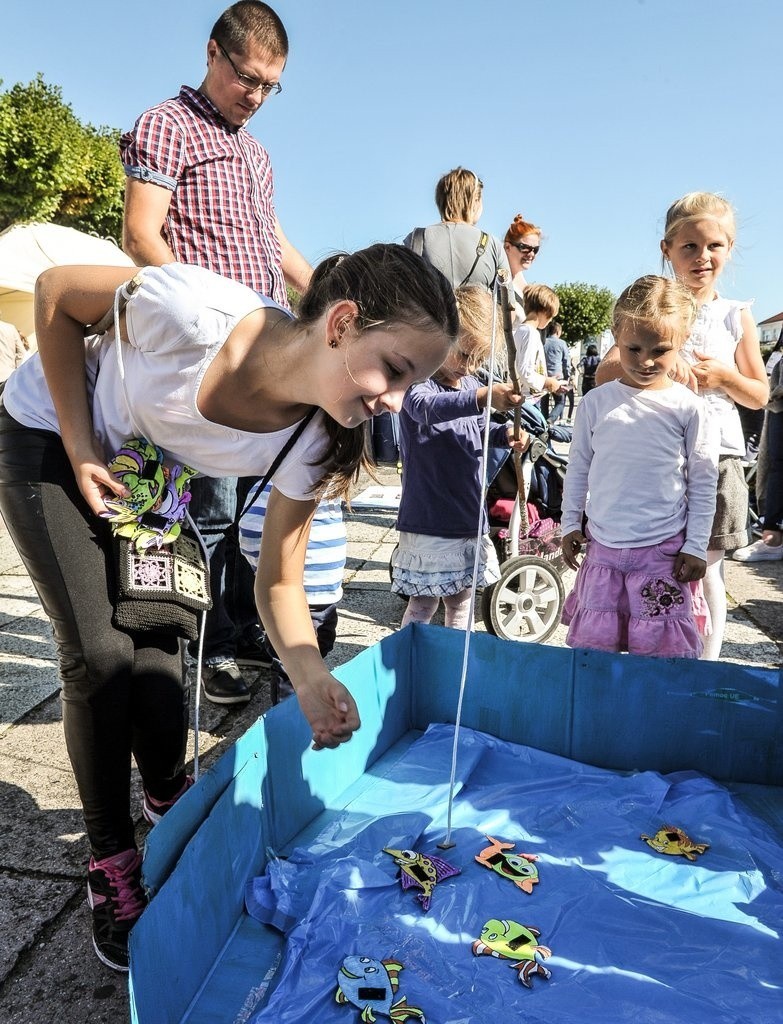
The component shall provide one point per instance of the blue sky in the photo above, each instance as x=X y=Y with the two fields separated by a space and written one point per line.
x=587 y=116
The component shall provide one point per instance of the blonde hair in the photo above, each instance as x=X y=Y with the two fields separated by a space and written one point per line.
x=520 y=227
x=457 y=193
x=661 y=304
x=699 y=206
x=539 y=298
x=475 y=309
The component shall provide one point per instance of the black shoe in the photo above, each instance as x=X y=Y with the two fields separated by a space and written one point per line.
x=251 y=649
x=116 y=899
x=223 y=683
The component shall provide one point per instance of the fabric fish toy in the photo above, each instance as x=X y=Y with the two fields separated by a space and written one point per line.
x=518 y=868
x=508 y=940
x=420 y=871
x=152 y=513
x=672 y=840
x=371 y=985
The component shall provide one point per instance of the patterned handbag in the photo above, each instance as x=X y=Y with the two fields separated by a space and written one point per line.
x=162 y=589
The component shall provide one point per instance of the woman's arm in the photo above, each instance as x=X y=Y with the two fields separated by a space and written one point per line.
x=745 y=383
x=66 y=300
x=325 y=702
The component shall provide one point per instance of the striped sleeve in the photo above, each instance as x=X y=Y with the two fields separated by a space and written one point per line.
x=326 y=547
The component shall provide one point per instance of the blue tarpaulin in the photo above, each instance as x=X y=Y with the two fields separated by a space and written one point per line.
x=571 y=756
x=666 y=939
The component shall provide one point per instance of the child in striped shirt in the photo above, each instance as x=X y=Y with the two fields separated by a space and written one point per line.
x=323 y=575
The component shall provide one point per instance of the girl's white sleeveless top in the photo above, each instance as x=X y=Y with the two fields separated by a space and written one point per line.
x=716 y=334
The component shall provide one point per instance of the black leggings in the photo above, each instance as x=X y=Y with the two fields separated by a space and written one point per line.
x=122 y=693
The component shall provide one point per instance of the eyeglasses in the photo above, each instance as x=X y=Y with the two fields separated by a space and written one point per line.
x=252 y=84
x=524 y=247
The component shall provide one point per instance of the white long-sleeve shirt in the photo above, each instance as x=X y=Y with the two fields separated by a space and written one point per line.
x=530 y=362
x=644 y=465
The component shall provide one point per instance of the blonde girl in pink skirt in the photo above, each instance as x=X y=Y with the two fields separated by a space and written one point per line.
x=643 y=470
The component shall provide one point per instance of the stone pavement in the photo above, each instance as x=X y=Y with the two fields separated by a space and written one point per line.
x=47 y=968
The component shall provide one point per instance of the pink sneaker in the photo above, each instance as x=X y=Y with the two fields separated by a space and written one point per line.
x=116 y=899
x=153 y=810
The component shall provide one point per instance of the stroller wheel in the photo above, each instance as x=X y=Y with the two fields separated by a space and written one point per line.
x=526 y=601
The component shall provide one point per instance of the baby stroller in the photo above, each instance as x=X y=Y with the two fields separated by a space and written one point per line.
x=525 y=604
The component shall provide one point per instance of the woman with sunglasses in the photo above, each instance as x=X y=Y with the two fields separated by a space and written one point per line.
x=522 y=242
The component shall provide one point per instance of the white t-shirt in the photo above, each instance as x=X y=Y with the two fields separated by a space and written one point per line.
x=530 y=361
x=176 y=323
x=644 y=466
x=716 y=334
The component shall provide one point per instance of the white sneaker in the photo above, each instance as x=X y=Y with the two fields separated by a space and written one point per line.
x=759 y=552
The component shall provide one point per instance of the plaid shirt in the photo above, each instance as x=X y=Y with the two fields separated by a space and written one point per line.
x=222 y=213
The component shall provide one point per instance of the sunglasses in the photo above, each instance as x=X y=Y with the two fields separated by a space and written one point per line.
x=524 y=247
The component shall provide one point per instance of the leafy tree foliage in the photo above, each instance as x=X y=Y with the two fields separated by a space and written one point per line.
x=585 y=310
x=55 y=168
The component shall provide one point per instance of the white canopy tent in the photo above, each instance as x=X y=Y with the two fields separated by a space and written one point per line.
x=28 y=249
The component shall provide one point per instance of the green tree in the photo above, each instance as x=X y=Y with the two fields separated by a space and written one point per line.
x=585 y=310
x=55 y=168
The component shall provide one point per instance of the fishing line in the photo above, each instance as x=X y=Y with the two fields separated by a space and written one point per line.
x=447 y=842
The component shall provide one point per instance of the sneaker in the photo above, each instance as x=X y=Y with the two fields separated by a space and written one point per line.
x=759 y=552
x=153 y=810
x=116 y=900
x=223 y=682
x=252 y=651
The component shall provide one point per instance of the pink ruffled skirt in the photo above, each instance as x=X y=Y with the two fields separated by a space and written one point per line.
x=626 y=599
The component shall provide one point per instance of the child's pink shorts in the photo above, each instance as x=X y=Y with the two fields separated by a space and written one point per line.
x=626 y=599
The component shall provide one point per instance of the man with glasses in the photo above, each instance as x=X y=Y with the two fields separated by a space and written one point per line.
x=199 y=190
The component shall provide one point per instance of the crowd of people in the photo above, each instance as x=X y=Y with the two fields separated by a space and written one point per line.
x=208 y=362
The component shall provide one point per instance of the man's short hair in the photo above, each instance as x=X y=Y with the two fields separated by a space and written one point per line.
x=251 y=21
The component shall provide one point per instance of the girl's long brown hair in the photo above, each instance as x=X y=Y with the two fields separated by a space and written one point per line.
x=391 y=285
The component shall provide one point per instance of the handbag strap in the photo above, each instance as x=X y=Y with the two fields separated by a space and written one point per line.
x=257 y=488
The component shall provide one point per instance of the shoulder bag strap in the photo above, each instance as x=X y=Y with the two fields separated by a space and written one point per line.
x=417 y=241
x=257 y=488
x=481 y=248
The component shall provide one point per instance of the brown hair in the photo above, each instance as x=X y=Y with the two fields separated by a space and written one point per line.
x=519 y=227
x=251 y=20
x=539 y=298
x=660 y=304
x=391 y=285
x=457 y=193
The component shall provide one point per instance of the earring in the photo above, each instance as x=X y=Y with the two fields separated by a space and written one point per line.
x=333 y=343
